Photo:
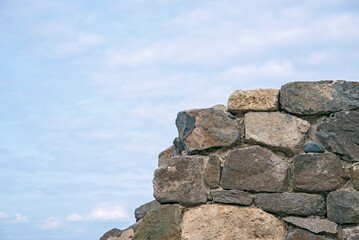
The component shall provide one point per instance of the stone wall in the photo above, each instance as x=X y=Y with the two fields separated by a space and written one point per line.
x=273 y=164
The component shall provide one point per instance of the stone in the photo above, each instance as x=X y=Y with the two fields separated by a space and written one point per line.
x=340 y=134
x=201 y=129
x=254 y=100
x=181 y=180
x=284 y=204
x=314 y=225
x=350 y=233
x=354 y=171
x=308 y=98
x=254 y=169
x=126 y=235
x=318 y=172
x=161 y=223
x=212 y=171
x=165 y=155
x=313 y=147
x=299 y=234
x=142 y=210
x=222 y=222
x=113 y=233
x=276 y=130
x=232 y=197
x=343 y=207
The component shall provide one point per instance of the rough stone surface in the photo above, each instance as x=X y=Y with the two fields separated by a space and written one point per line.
x=142 y=210
x=314 y=225
x=181 y=180
x=201 y=129
x=343 y=207
x=225 y=222
x=350 y=233
x=355 y=176
x=316 y=172
x=254 y=100
x=126 y=235
x=161 y=223
x=232 y=197
x=299 y=234
x=256 y=169
x=313 y=147
x=212 y=171
x=277 y=130
x=165 y=155
x=300 y=204
x=340 y=134
x=114 y=233
x=307 y=98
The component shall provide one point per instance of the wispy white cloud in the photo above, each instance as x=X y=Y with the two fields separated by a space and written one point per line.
x=3 y=215
x=51 y=223
x=20 y=219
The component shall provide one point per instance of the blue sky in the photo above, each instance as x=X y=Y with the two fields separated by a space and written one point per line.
x=89 y=92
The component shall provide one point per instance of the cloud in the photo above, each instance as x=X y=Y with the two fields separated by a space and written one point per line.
x=75 y=218
x=3 y=215
x=51 y=223
x=20 y=219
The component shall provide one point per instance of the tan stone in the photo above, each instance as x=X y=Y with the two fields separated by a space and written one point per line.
x=226 y=222
x=276 y=130
x=166 y=154
x=254 y=100
x=126 y=235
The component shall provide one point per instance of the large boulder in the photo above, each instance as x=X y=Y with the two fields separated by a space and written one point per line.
x=181 y=180
x=276 y=130
x=222 y=222
x=343 y=207
x=308 y=98
x=255 y=169
x=254 y=100
x=340 y=134
x=317 y=172
x=201 y=129
x=314 y=225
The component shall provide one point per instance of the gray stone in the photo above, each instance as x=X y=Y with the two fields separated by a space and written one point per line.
x=350 y=233
x=255 y=169
x=308 y=98
x=314 y=225
x=299 y=234
x=343 y=207
x=201 y=129
x=313 y=147
x=232 y=197
x=142 y=210
x=276 y=130
x=115 y=232
x=317 y=172
x=181 y=180
x=354 y=171
x=161 y=223
x=212 y=171
x=165 y=155
x=340 y=134
x=300 y=204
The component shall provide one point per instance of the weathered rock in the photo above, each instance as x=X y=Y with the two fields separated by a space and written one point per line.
x=340 y=134
x=222 y=222
x=113 y=233
x=355 y=176
x=126 y=235
x=350 y=233
x=277 y=130
x=299 y=234
x=181 y=180
x=316 y=172
x=300 y=204
x=254 y=100
x=343 y=207
x=161 y=223
x=307 y=98
x=313 y=147
x=201 y=129
x=212 y=171
x=232 y=197
x=314 y=225
x=142 y=210
x=256 y=169
x=165 y=155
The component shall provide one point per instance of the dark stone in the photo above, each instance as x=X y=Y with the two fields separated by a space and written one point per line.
x=299 y=234
x=232 y=197
x=308 y=98
x=255 y=169
x=142 y=210
x=340 y=134
x=354 y=171
x=313 y=147
x=314 y=225
x=185 y=124
x=300 y=204
x=115 y=232
x=212 y=171
x=343 y=207
x=317 y=172
x=178 y=144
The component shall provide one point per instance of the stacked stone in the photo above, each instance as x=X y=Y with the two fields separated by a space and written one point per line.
x=274 y=164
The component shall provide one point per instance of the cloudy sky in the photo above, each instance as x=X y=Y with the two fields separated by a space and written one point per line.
x=89 y=91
